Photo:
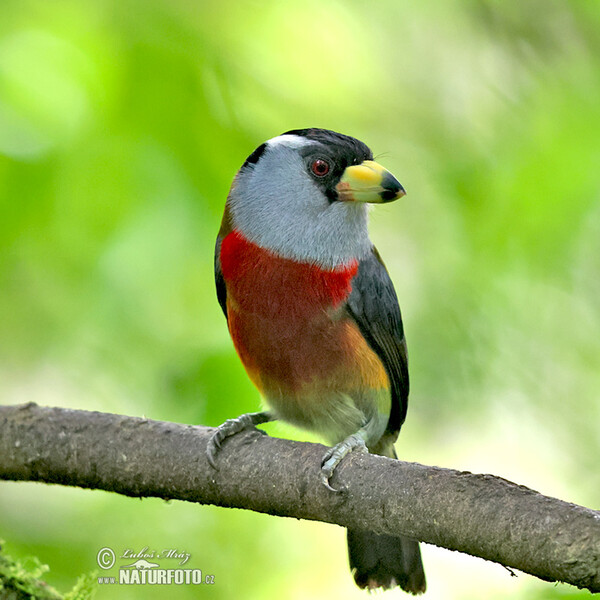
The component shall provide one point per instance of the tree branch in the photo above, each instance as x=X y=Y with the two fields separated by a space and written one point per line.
x=481 y=515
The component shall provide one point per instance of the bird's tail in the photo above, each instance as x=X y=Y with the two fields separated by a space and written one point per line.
x=385 y=561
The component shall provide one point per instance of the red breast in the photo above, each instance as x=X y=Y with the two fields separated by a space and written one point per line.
x=282 y=317
x=261 y=282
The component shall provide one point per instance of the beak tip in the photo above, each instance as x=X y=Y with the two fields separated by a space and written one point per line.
x=392 y=189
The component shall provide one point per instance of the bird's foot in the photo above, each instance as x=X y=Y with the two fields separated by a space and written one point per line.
x=231 y=427
x=334 y=456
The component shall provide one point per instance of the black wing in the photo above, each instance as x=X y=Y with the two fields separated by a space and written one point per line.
x=373 y=304
x=219 y=281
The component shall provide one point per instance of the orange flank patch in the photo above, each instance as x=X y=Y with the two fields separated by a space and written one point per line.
x=367 y=369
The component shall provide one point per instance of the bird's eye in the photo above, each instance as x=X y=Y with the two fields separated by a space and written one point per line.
x=320 y=167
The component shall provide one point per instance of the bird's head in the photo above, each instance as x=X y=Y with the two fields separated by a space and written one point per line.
x=303 y=195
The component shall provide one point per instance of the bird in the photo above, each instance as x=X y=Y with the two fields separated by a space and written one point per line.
x=314 y=316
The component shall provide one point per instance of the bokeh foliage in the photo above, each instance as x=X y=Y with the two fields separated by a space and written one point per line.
x=122 y=124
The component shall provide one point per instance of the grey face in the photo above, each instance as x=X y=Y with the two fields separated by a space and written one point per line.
x=279 y=203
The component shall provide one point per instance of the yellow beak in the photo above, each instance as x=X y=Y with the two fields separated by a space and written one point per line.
x=368 y=182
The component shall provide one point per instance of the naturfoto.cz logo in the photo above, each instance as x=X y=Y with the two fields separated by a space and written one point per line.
x=147 y=572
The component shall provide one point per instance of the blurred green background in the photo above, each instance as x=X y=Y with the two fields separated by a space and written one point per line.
x=122 y=123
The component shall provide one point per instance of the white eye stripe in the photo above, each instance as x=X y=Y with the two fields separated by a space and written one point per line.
x=290 y=141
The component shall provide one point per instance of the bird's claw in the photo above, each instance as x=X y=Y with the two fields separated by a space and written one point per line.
x=214 y=445
x=231 y=427
x=325 y=481
x=334 y=456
